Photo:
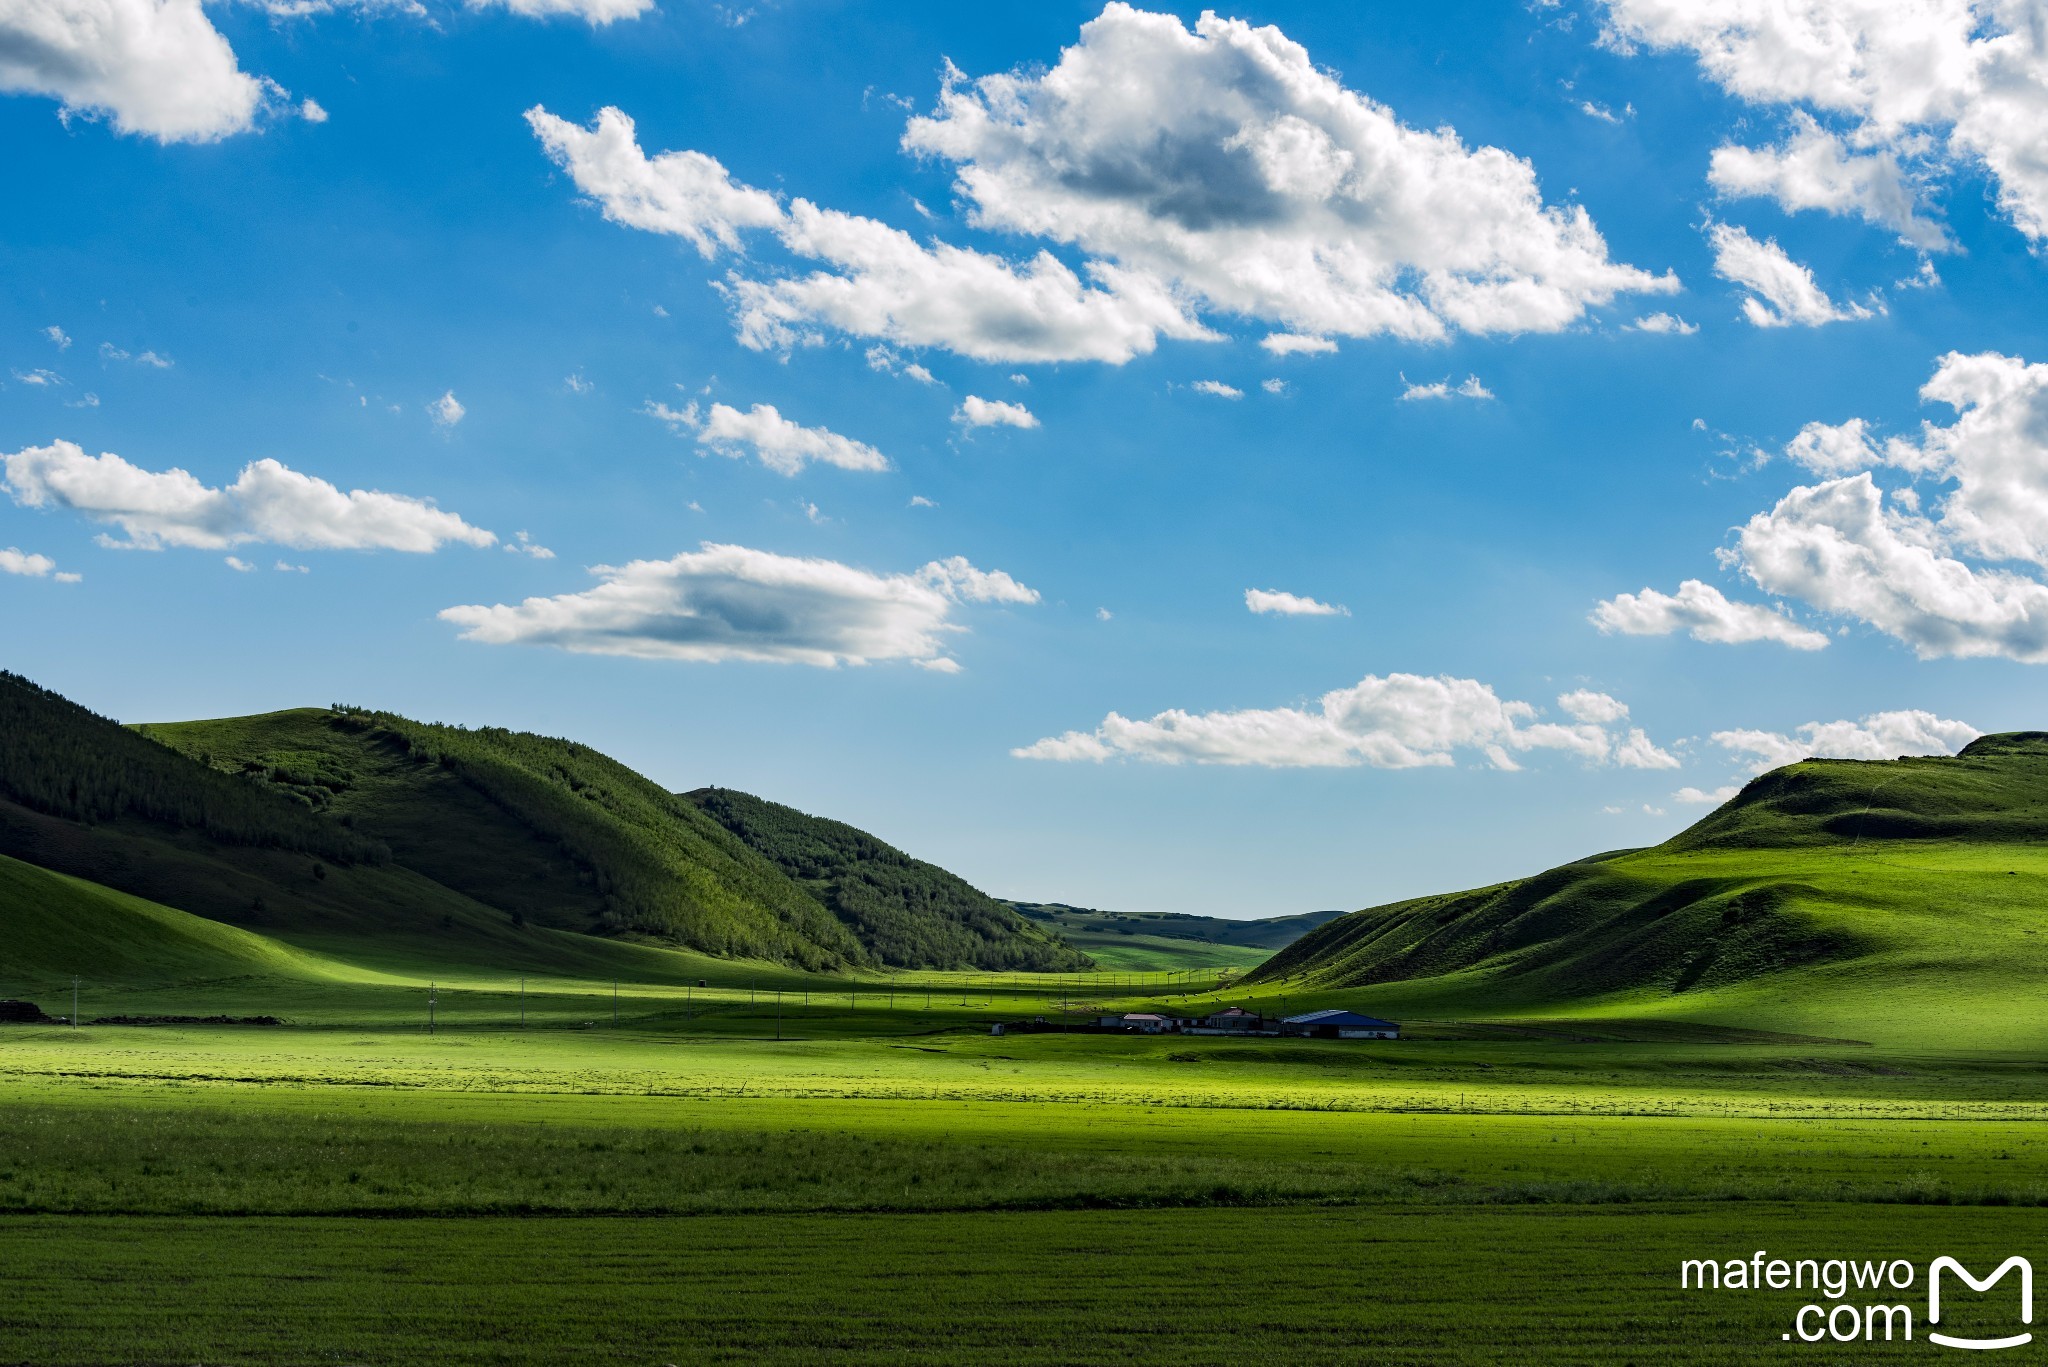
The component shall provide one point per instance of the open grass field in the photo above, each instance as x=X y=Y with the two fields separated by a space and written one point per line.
x=1382 y=1284
x=525 y=1145
x=374 y=1195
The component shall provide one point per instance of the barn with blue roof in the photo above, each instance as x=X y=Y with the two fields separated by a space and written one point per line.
x=1340 y=1024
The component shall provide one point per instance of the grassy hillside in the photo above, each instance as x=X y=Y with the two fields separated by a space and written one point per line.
x=339 y=825
x=542 y=829
x=553 y=833
x=910 y=913
x=1830 y=895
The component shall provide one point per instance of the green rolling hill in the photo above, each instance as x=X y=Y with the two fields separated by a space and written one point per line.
x=345 y=827
x=1835 y=897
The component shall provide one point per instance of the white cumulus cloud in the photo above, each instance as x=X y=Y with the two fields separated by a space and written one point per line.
x=881 y=282
x=723 y=602
x=1836 y=546
x=1959 y=579
x=155 y=68
x=268 y=502
x=889 y=362
x=1814 y=169
x=975 y=411
x=1297 y=344
x=1216 y=169
x=1470 y=388
x=682 y=194
x=1704 y=613
x=1401 y=721
x=1227 y=163
x=1584 y=704
x=1666 y=323
x=1290 y=605
x=1217 y=389
x=447 y=410
x=1782 y=292
x=13 y=560
x=887 y=284
x=596 y=13
x=778 y=443
x=956 y=578
x=1883 y=98
x=1881 y=735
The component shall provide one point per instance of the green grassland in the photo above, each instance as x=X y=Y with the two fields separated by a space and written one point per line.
x=664 y=1193
x=1304 y=1285
x=1812 y=1024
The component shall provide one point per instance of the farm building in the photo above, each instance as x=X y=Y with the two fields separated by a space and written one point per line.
x=1143 y=1022
x=1235 y=1018
x=1339 y=1024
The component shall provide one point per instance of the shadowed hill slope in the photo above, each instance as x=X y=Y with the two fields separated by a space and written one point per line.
x=341 y=826
x=1828 y=886
x=907 y=911
x=61 y=760
x=543 y=829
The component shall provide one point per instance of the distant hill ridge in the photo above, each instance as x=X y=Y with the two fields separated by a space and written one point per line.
x=904 y=909
x=1269 y=932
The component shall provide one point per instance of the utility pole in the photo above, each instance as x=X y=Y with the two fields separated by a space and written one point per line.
x=430 y=1008
x=689 y=1003
x=522 y=1003
x=74 y=1003
x=615 y=1003
x=778 y=1013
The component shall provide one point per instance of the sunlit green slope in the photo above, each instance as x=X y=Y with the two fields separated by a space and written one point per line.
x=57 y=927
x=1835 y=897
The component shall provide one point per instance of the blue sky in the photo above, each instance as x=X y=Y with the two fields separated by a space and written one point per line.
x=491 y=323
